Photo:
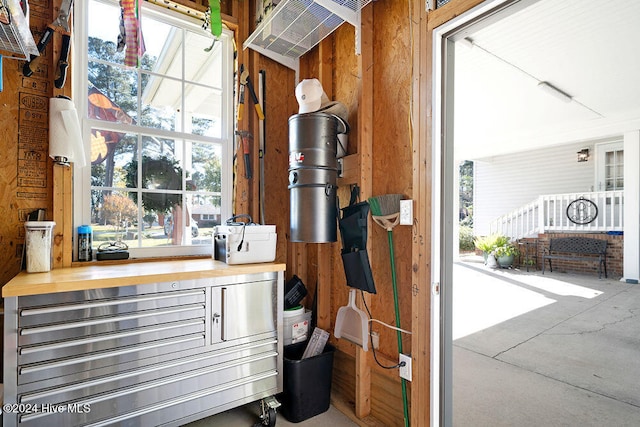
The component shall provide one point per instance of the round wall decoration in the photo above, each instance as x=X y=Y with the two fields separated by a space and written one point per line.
x=582 y=211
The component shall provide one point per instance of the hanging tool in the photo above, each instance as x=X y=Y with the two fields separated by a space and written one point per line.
x=61 y=25
x=245 y=80
x=263 y=131
x=63 y=62
x=385 y=211
x=240 y=102
x=352 y=323
x=246 y=138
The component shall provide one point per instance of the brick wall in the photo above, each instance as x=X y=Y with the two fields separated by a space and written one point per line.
x=614 y=255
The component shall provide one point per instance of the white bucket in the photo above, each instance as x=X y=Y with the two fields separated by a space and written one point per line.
x=296 y=325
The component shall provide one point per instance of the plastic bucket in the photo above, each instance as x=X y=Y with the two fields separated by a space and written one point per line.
x=296 y=325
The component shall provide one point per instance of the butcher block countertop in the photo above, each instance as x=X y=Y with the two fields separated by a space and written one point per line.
x=96 y=275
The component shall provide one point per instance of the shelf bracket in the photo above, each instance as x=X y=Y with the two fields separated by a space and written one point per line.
x=347 y=15
x=288 y=62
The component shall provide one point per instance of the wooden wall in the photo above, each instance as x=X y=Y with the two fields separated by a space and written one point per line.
x=376 y=87
x=26 y=171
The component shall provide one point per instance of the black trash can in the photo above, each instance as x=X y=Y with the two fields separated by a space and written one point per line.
x=307 y=383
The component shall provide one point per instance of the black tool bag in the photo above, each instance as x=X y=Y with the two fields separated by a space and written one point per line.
x=353 y=229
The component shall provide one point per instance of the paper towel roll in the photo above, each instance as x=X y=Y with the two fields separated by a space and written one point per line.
x=65 y=138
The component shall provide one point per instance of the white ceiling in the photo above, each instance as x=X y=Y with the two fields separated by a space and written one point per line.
x=589 y=49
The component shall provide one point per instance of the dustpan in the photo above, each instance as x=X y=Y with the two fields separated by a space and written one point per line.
x=352 y=323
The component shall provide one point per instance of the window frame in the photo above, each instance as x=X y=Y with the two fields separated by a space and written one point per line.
x=82 y=174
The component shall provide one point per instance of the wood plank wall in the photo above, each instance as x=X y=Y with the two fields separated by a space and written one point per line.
x=26 y=171
x=376 y=87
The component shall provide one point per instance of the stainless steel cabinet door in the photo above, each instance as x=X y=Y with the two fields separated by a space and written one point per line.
x=243 y=310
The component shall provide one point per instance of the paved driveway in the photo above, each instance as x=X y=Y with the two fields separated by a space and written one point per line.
x=552 y=350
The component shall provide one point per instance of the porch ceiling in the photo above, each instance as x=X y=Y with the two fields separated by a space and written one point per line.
x=586 y=48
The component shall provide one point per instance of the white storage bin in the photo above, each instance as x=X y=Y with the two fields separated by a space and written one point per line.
x=244 y=244
x=38 y=245
x=296 y=324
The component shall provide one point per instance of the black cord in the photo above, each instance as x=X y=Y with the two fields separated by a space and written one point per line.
x=232 y=221
x=373 y=349
x=244 y=225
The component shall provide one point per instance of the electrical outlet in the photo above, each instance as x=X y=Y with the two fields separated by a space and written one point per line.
x=405 y=371
x=375 y=337
x=406 y=212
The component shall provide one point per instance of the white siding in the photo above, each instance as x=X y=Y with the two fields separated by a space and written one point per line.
x=504 y=183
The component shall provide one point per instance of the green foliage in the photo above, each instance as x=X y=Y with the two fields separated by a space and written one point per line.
x=466 y=239
x=489 y=243
x=162 y=173
x=497 y=244
x=466 y=193
x=149 y=218
x=506 y=250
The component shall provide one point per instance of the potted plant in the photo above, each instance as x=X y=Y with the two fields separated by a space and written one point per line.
x=505 y=254
x=488 y=244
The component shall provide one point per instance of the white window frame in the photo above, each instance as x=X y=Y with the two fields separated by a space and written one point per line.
x=601 y=155
x=82 y=174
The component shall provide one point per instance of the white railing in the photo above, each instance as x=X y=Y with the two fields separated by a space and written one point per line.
x=551 y=213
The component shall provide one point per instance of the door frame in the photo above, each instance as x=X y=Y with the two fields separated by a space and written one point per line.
x=443 y=200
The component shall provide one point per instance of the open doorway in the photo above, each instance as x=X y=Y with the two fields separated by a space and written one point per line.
x=535 y=124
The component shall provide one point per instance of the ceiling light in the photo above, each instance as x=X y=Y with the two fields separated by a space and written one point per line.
x=554 y=91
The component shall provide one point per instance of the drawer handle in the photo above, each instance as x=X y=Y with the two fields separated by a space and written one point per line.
x=100 y=304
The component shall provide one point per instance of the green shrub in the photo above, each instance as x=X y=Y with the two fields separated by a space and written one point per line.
x=506 y=250
x=491 y=242
x=466 y=239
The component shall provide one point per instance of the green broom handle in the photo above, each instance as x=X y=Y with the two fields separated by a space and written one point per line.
x=399 y=334
x=395 y=288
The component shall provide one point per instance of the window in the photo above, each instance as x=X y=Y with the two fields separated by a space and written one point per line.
x=160 y=135
x=610 y=166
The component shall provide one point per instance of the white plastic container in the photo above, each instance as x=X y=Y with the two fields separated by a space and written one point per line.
x=296 y=324
x=38 y=237
x=244 y=244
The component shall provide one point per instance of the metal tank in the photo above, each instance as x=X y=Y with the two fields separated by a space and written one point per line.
x=313 y=173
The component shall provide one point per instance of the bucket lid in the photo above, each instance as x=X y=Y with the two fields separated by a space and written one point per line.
x=84 y=229
x=295 y=311
x=39 y=224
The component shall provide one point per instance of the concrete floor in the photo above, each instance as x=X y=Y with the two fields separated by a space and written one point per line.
x=529 y=350
x=552 y=350
x=248 y=416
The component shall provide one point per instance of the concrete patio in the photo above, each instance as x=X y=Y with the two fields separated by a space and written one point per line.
x=544 y=350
